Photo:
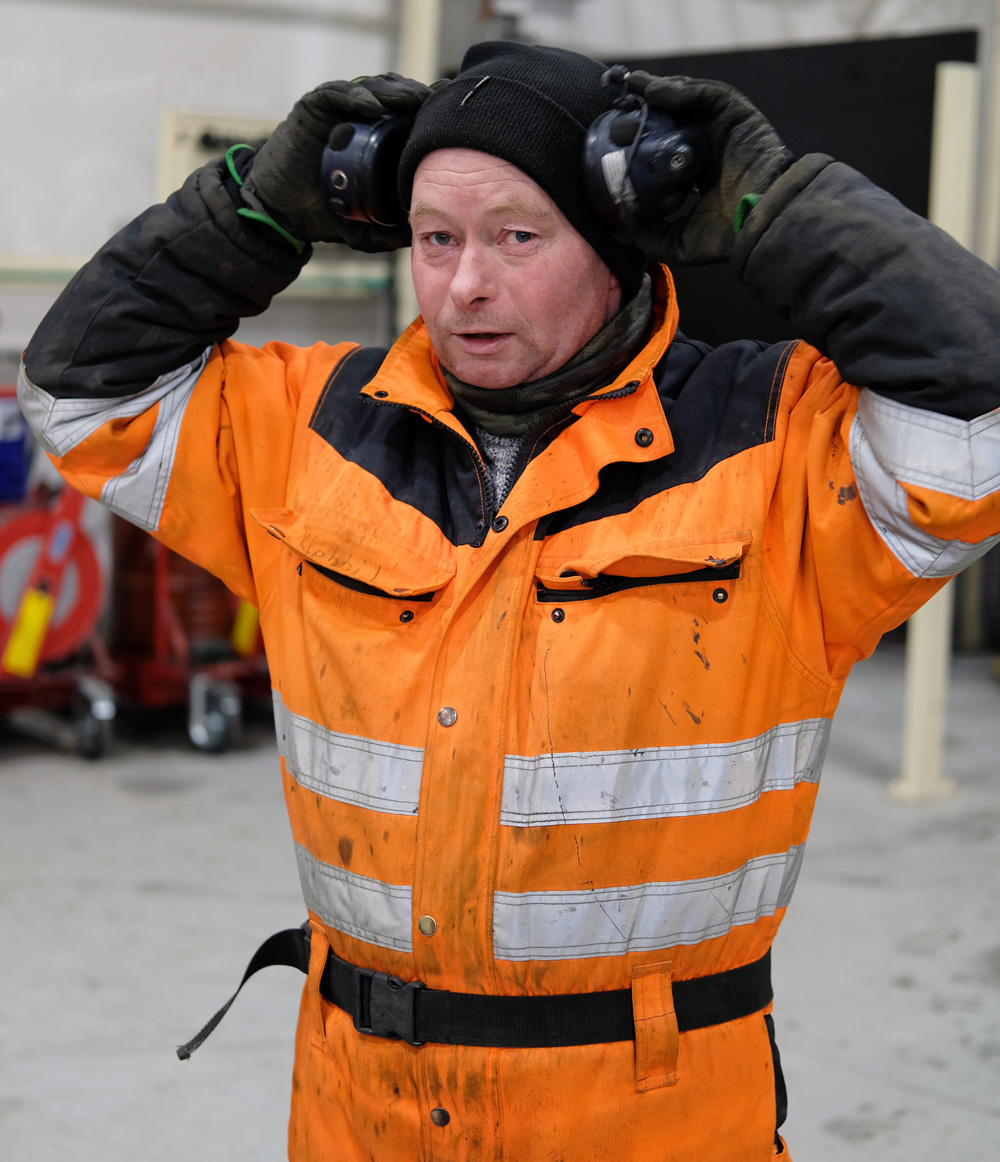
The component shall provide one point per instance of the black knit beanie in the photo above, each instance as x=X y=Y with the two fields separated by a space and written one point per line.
x=532 y=107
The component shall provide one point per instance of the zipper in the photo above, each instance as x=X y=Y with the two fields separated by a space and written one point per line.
x=473 y=451
x=605 y=583
x=362 y=587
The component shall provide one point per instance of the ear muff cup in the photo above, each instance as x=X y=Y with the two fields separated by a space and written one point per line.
x=640 y=165
x=359 y=168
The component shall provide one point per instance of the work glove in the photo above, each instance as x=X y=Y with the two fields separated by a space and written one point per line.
x=284 y=181
x=746 y=157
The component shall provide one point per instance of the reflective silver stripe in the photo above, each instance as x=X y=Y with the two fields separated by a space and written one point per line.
x=959 y=457
x=139 y=492
x=356 y=905
x=640 y=917
x=893 y=443
x=382 y=776
x=613 y=786
x=61 y=423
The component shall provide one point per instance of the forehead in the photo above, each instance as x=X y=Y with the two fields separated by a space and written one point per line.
x=448 y=176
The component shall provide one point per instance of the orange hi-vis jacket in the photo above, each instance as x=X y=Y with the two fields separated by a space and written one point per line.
x=571 y=746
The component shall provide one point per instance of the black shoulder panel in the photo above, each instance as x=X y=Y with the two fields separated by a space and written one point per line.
x=420 y=462
x=718 y=403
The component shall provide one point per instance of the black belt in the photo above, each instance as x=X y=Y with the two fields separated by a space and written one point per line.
x=385 y=1006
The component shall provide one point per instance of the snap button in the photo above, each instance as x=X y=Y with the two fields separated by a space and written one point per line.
x=499 y=524
x=644 y=437
x=558 y=614
x=427 y=925
x=447 y=716
x=381 y=395
x=406 y=615
x=440 y=1116
x=720 y=595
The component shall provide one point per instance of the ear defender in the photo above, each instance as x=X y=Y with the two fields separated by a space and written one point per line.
x=639 y=165
x=359 y=167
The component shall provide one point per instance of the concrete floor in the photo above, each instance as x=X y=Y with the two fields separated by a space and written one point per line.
x=133 y=890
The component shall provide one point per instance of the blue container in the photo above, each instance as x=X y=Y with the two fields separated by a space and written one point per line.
x=15 y=448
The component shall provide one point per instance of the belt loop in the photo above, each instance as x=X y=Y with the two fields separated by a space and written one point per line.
x=656 y=1035
x=319 y=950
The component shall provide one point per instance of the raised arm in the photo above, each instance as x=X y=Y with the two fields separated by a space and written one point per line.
x=128 y=382
x=181 y=276
x=896 y=303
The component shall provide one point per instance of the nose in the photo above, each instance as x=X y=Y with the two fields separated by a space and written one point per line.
x=473 y=278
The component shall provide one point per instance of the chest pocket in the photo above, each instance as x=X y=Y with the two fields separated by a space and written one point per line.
x=364 y=564
x=570 y=572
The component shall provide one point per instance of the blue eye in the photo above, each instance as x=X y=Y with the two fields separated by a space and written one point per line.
x=440 y=238
x=523 y=236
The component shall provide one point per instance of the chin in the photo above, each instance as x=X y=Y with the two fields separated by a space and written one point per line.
x=484 y=375
x=491 y=383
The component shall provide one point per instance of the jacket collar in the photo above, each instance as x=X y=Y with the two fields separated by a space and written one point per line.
x=624 y=421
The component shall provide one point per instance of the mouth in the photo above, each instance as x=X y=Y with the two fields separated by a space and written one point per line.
x=481 y=342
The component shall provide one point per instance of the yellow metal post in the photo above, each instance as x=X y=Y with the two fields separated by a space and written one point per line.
x=928 y=645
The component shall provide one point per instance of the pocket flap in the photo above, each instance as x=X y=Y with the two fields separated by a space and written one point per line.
x=421 y=562
x=562 y=565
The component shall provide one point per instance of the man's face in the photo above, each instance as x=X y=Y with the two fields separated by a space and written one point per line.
x=508 y=289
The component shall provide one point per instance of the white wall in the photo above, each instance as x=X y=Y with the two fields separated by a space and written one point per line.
x=82 y=87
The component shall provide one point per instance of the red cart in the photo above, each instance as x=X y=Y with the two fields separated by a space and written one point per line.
x=181 y=638
x=52 y=659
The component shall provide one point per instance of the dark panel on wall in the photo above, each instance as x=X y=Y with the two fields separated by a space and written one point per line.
x=868 y=103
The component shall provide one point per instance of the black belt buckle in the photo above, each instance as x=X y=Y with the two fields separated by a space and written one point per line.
x=387 y=1002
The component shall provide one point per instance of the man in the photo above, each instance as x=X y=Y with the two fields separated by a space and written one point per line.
x=557 y=602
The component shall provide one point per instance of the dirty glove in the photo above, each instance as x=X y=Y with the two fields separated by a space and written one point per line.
x=284 y=181
x=747 y=156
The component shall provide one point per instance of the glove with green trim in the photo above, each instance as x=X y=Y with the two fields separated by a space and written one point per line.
x=747 y=156
x=283 y=185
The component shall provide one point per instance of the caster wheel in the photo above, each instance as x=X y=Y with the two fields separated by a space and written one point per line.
x=215 y=712
x=91 y=735
x=93 y=714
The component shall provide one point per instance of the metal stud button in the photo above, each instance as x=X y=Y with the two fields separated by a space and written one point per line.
x=500 y=524
x=558 y=615
x=644 y=437
x=720 y=595
x=406 y=615
x=440 y=1116
x=447 y=716
x=427 y=925
x=381 y=394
